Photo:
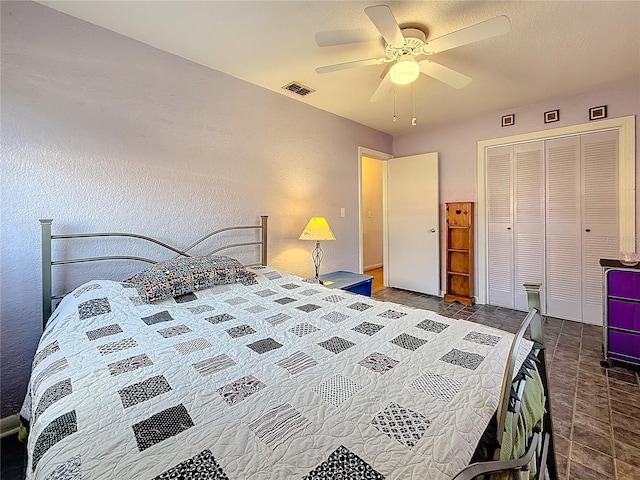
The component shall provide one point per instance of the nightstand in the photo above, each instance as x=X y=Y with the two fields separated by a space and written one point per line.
x=351 y=282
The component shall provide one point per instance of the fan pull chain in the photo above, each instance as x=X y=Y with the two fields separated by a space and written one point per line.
x=414 y=120
x=394 y=102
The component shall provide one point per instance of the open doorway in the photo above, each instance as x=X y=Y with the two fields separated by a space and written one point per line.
x=373 y=220
x=410 y=239
x=372 y=174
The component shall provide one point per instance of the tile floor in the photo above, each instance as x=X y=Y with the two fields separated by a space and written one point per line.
x=595 y=411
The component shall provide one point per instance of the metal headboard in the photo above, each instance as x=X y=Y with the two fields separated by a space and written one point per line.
x=47 y=262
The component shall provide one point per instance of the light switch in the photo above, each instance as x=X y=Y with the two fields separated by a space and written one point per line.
x=342 y=212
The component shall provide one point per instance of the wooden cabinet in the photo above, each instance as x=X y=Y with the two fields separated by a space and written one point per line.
x=459 y=253
x=621 y=332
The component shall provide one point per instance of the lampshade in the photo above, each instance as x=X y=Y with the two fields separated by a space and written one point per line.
x=317 y=229
x=406 y=70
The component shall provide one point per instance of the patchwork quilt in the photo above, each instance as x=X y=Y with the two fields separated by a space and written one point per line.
x=280 y=379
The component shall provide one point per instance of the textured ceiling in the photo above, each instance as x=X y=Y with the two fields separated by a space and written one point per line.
x=554 y=49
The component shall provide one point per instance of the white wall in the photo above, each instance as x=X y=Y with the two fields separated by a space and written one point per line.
x=456 y=144
x=372 y=212
x=102 y=133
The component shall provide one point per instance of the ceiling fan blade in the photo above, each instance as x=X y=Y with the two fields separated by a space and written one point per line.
x=386 y=23
x=383 y=88
x=357 y=63
x=444 y=74
x=480 y=31
x=335 y=38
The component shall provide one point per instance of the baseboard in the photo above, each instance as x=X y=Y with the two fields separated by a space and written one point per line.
x=9 y=425
x=372 y=267
x=475 y=299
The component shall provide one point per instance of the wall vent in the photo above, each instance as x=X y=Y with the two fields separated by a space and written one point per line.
x=298 y=88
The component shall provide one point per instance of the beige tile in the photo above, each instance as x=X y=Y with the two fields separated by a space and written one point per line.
x=561 y=445
x=626 y=435
x=592 y=459
x=561 y=463
x=578 y=471
x=626 y=408
x=620 y=367
x=592 y=366
x=561 y=426
x=626 y=472
x=594 y=407
x=563 y=413
x=630 y=398
x=627 y=453
x=568 y=341
x=588 y=389
x=587 y=437
x=595 y=377
x=623 y=376
x=572 y=328
x=623 y=386
x=591 y=356
x=592 y=342
x=593 y=331
x=621 y=420
x=563 y=353
x=591 y=424
x=565 y=386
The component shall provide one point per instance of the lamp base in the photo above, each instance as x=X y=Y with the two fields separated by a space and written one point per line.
x=313 y=280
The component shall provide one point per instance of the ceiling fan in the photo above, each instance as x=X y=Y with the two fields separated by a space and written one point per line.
x=405 y=46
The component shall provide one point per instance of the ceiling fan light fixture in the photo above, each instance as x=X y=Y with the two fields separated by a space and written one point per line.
x=405 y=71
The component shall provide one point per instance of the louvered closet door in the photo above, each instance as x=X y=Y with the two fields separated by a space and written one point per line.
x=599 y=216
x=499 y=215
x=528 y=218
x=563 y=228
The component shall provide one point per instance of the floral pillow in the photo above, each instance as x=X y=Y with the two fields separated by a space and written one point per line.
x=184 y=275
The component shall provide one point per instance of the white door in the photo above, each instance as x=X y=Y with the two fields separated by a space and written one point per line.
x=564 y=245
x=412 y=223
x=599 y=216
x=528 y=219
x=500 y=224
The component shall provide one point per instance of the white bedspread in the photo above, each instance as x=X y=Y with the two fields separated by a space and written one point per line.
x=282 y=379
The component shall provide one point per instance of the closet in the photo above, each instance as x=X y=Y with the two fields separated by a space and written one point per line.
x=552 y=213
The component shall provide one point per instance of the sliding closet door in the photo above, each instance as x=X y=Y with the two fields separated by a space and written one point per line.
x=528 y=218
x=599 y=216
x=563 y=228
x=499 y=215
x=552 y=209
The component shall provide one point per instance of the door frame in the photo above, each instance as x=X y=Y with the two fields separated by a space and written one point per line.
x=368 y=152
x=626 y=127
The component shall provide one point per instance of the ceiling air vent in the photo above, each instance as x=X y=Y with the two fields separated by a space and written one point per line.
x=298 y=88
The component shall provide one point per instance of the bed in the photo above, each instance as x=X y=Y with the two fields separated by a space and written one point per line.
x=265 y=376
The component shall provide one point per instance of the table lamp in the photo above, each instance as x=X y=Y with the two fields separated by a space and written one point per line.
x=317 y=229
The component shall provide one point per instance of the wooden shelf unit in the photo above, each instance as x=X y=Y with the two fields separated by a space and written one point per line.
x=459 y=253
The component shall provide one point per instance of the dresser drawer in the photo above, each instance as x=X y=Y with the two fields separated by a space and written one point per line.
x=625 y=284
x=624 y=343
x=624 y=314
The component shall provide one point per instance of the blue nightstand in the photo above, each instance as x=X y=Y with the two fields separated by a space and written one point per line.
x=351 y=282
